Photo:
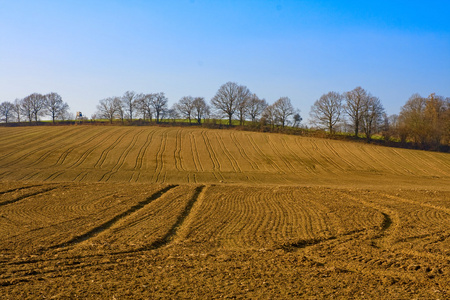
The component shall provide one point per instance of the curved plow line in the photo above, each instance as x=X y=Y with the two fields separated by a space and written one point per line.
x=233 y=162
x=444 y=158
x=195 y=154
x=38 y=142
x=123 y=156
x=427 y=162
x=80 y=176
x=401 y=158
x=177 y=152
x=108 y=149
x=440 y=208
x=136 y=174
x=212 y=156
x=327 y=221
x=410 y=163
x=336 y=153
x=4 y=174
x=244 y=155
x=88 y=152
x=257 y=150
x=261 y=223
x=22 y=134
x=63 y=156
x=29 y=176
x=233 y=204
x=295 y=156
x=391 y=221
x=172 y=235
x=50 y=151
x=54 y=175
x=47 y=141
x=276 y=224
x=28 y=196
x=105 y=226
x=143 y=151
x=273 y=164
x=357 y=157
x=327 y=157
x=20 y=188
x=279 y=154
x=303 y=149
x=160 y=156
x=394 y=161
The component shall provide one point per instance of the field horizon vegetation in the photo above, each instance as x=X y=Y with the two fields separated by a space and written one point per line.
x=119 y=212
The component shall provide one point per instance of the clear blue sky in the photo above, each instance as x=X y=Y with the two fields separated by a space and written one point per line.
x=89 y=50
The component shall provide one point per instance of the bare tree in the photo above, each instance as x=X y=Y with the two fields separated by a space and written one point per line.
x=159 y=104
x=55 y=106
x=17 y=109
x=226 y=100
x=269 y=116
x=283 y=109
x=120 y=110
x=355 y=105
x=144 y=104
x=35 y=105
x=107 y=108
x=200 y=108
x=6 y=111
x=173 y=113
x=256 y=107
x=372 y=116
x=27 y=108
x=243 y=96
x=129 y=103
x=185 y=107
x=327 y=110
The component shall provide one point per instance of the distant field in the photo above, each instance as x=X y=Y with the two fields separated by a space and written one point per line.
x=185 y=155
x=148 y=212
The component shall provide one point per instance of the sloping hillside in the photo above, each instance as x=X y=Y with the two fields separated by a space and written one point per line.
x=195 y=155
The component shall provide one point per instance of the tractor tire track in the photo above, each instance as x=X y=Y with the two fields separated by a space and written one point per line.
x=212 y=155
x=177 y=152
x=63 y=156
x=278 y=153
x=120 y=162
x=28 y=195
x=143 y=151
x=106 y=225
x=159 y=159
x=195 y=155
x=258 y=150
x=54 y=140
x=106 y=151
x=173 y=234
x=233 y=161
x=88 y=152
x=244 y=155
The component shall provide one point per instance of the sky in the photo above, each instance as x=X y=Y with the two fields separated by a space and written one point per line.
x=90 y=50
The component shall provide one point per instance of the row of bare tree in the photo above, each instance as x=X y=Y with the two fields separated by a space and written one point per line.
x=231 y=101
x=132 y=105
x=364 y=111
x=34 y=106
x=423 y=121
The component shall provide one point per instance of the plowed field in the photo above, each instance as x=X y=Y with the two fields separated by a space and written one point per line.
x=146 y=212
